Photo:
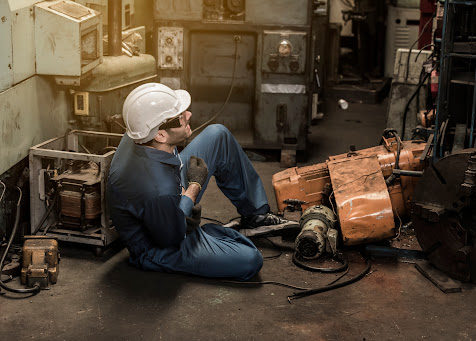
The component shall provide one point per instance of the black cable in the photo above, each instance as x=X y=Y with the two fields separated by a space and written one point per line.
x=276 y=247
x=338 y=278
x=332 y=286
x=416 y=41
x=407 y=107
x=266 y=282
x=46 y=214
x=203 y=125
x=36 y=288
x=337 y=257
x=421 y=50
x=214 y=220
x=392 y=177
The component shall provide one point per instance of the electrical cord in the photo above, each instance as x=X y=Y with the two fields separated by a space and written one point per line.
x=214 y=220
x=392 y=176
x=421 y=50
x=266 y=282
x=337 y=257
x=407 y=107
x=276 y=247
x=36 y=287
x=416 y=41
x=330 y=287
x=46 y=214
x=229 y=91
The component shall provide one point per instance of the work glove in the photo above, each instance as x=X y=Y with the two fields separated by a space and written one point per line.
x=197 y=171
x=194 y=220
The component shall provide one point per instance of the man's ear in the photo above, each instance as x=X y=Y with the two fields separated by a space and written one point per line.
x=161 y=136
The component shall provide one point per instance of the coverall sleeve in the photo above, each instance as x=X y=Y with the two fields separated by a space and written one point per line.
x=186 y=205
x=165 y=220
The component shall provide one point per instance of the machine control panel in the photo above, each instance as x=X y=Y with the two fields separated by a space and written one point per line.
x=284 y=52
x=170 y=48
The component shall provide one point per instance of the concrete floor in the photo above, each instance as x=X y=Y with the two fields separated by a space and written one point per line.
x=105 y=298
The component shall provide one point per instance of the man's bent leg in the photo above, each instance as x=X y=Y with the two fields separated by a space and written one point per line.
x=209 y=251
x=233 y=171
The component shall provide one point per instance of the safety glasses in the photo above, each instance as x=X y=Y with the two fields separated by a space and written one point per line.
x=171 y=123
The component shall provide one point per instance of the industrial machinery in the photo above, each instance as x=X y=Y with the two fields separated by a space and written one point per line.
x=68 y=53
x=40 y=261
x=68 y=186
x=371 y=188
x=250 y=65
x=318 y=233
x=444 y=211
x=444 y=214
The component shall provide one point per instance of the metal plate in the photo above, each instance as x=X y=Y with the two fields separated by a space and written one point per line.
x=170 y=48
x=363 y=202
x=71 y=9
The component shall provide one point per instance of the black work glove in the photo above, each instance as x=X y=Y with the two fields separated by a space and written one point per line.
x=194 y=220
x=197 y=171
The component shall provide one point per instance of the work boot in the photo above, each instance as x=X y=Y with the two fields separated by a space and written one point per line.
x=265 y=224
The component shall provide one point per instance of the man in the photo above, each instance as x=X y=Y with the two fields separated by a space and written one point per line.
x=152 y=190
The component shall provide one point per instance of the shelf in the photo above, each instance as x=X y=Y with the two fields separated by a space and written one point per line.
x=462 y=55
x=465 y=47
x=461 y=2
x=465 y=78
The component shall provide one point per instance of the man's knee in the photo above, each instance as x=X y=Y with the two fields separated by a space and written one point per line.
x=251 y=264
x=216 y=131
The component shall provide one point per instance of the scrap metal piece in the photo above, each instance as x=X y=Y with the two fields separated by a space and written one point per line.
x=438 y=278
x=40 y=261
x=363 y=201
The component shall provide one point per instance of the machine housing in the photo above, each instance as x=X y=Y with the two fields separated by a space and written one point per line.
x=261 y=55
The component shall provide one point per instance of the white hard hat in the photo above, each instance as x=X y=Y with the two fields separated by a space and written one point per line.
x=150 y=105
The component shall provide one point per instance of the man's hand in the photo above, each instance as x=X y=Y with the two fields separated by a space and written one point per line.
x=197 y=171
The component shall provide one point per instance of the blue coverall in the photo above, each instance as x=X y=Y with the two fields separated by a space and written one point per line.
x=147 y=207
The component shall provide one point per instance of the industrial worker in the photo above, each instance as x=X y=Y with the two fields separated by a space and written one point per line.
x=152 y=190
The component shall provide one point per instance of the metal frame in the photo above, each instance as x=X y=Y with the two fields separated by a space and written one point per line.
x=446 y=63
x=67 y=147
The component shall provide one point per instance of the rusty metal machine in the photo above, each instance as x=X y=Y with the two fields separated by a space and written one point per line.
x=371 y=188
x=40 y=261
x=444 y=214
x=253 y=66
x=68 y=178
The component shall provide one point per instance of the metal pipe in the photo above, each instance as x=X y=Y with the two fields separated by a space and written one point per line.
x=114 y=27
x=408 y=172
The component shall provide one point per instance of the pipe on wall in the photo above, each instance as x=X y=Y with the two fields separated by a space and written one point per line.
x=114 y=28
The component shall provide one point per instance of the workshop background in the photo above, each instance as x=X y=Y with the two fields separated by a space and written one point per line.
x=358 y=115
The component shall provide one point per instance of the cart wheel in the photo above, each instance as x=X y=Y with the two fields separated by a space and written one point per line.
x=98 y=251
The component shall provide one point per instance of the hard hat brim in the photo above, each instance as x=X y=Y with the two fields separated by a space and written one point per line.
x=184 y=98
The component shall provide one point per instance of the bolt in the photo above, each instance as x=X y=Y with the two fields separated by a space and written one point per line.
x=237 y=38
x=4 y=19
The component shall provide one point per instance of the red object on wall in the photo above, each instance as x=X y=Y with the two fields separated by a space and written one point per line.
x=427 y=9
x=434 y=80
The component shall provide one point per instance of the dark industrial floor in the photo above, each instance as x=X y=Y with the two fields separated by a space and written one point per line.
x=105 y=298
